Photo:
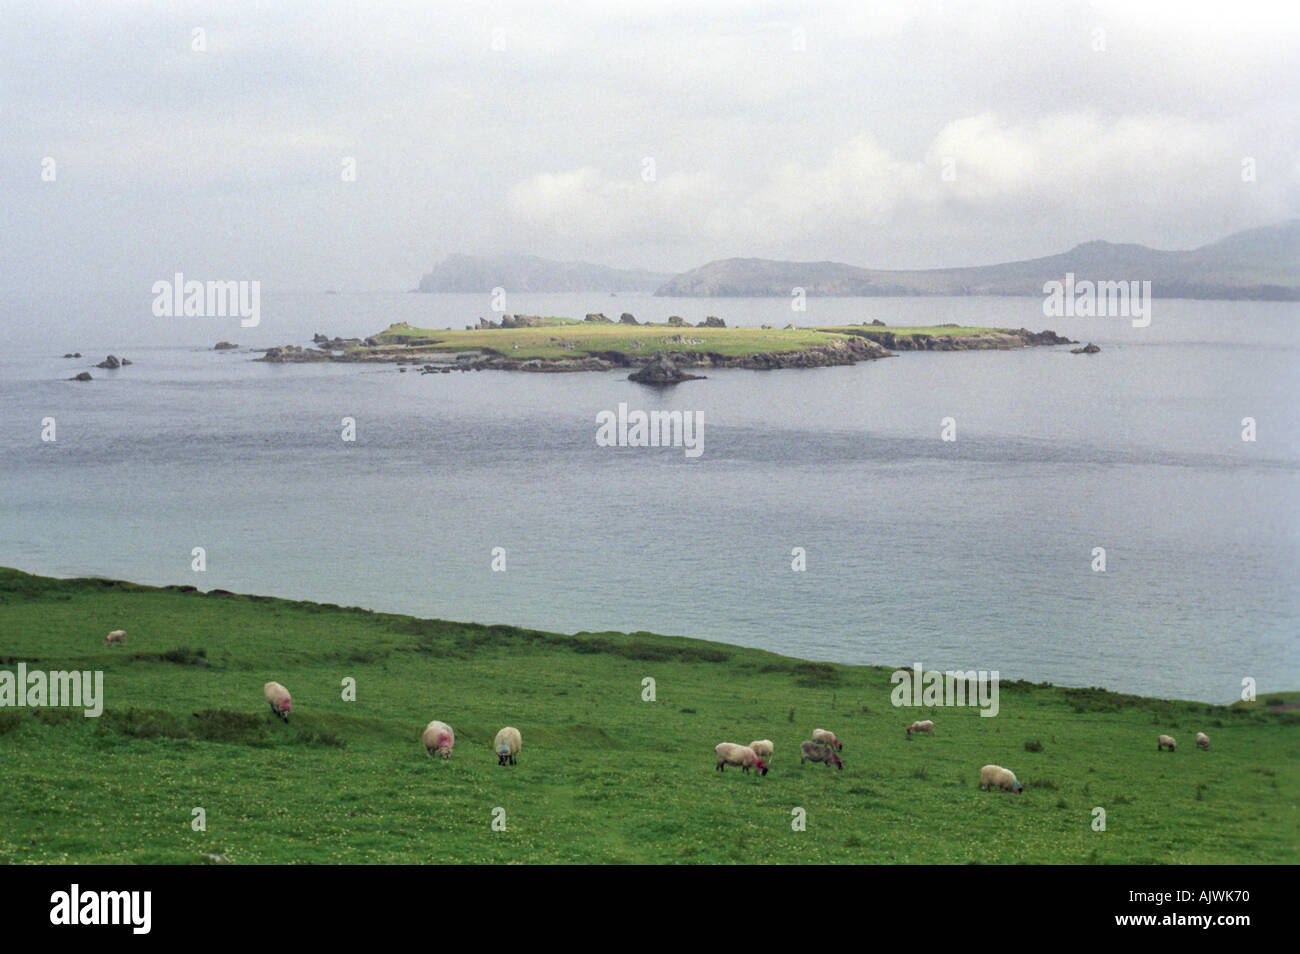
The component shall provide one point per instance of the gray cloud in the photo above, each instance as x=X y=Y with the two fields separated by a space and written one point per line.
x=227 y=162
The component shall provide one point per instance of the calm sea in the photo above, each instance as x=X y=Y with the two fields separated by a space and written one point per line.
x=971 y=554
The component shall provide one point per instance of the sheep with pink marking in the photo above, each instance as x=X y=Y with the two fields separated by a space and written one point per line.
x=925 y=726
x=116 y=636
x=729 y=753
x=439 y=738
x=277 y=697
x=827 y=737
x=816 y=752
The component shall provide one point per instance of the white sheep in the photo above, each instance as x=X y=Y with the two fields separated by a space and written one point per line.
x=1166 y=742
x=827 y=737
x=992 y=776
x=731 y=754
x=1202 y=741
x=439 y=738
x=763 y=749
x=277 y=697
x=926 y=726
x=507 y=745
x=116 y=636
x=816 y=752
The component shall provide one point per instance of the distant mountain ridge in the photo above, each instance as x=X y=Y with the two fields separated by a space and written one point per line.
x=1261 y=263
x=528 y=273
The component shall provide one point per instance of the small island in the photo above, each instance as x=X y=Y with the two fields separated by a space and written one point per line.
x=597 y=343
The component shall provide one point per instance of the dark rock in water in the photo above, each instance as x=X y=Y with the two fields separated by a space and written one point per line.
x=77 y=355
x=223 y=346
x=712 y=322
x=598 y=318
x=677 y=321
x=125 y=362
x=662 y=370
x=627 y=319
x=110 y=362
x=877 y=322
x=83 y=376
x=1089 y=348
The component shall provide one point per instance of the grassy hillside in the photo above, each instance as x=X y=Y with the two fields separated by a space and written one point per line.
x=603 y=776
x=577 y=338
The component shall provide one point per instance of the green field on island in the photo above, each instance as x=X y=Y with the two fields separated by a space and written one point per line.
x=603 y=776
x=564 y=337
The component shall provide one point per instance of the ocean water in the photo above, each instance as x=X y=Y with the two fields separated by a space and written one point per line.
x=972 y=554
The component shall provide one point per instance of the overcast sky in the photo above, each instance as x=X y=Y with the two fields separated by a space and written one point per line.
x=778 y=130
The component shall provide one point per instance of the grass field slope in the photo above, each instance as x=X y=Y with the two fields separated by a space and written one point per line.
x=603 y=774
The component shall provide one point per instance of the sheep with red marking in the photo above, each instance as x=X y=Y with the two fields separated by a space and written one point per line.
x=439 y=738
x=827 y=737
x=277 y=697
x=729 y=753
x=1166 y=742
x=116 y=636
x=926 y=726
x=816 y=752
x=1202 y=741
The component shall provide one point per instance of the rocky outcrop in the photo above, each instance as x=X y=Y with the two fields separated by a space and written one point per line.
x=627 y=319
x=1089 y=348
x=73 y=355
x=224 y=346
x=712 y=322
x=998 y=339
x=292 y=354
x=661 y=370
x=598 y=318
x=676 y=320
x=335 y=344
x=83 y=376
x=112 y=363
x=513 y=321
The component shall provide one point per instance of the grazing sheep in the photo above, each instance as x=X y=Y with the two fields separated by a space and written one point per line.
x=926 y=726
x=992 y=776
x=278 y=698
x=813 y=752
x=731 y=754
x=1202 y=741
x=439 y=738
x=1166 y=742
x=827 y=737
x=763 y=749
x=116 y=636
x=507 y=745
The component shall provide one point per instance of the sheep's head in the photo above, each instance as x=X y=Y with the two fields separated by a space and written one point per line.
x=1017 y=787
x=503 y=754
x=760 y=765
x=838 y=764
